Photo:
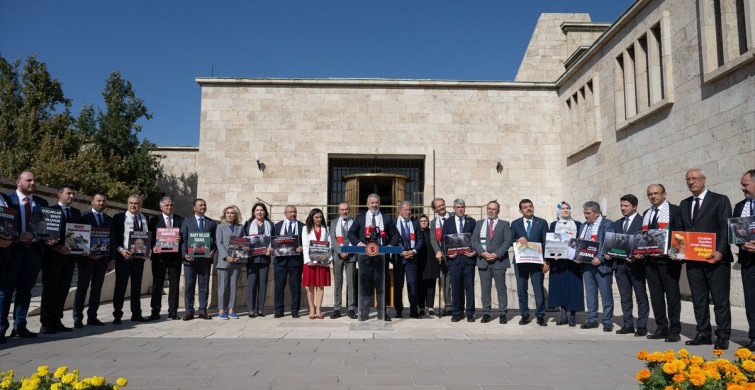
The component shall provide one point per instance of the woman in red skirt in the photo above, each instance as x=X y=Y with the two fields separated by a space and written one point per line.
x=317 y=258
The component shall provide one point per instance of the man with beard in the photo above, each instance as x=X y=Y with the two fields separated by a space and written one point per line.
x=746 y=208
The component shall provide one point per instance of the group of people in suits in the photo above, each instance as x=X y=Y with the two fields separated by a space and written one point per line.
x=421 y=265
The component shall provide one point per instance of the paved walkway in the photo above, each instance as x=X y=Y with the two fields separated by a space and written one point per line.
x=287 y=353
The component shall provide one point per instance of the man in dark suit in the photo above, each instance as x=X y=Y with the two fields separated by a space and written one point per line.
x=525 y=229
x=92 y=268
x=6 y=240
x=436 y=243
x=165 y=263
x=57 y=267
x=491 y=240
x=343 y=263
x=197 y=269
x=127 y=266
x=288 y=268
x=663 y=272
x=598 y=274
x=630 y=272
x=372 y=226
x=461 y=267
x=707 y=211
x=746 y=208
x=406 y=263
x=26 y=257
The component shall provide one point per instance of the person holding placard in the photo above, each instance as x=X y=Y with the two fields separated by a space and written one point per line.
x=746 y=208
x=258 y=228
x=197 y=266
x=530 y=228
x=317 y=258
x=165 y=262
x=598 y=274
x=228 y=266
x=566 y=290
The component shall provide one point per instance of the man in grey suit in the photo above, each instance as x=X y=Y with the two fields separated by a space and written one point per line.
x=491 y=240
x=197 y=269
x=598 y=274
x=343 y=263
x=436 y=229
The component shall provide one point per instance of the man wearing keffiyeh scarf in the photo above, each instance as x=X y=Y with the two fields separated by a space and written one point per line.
x=598 y=275
x=746 y=208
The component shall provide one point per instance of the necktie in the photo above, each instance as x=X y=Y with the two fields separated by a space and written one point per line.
x=98 y=217
x=491 y=226
x=201 y=224
x=68 y=213
x=696 y=210
x=442 y=221
x=136 y=223
x=290 y=229
x=626 y=225
x=407 y=237
x=169 y=222
x=461 y=225
x=529 y=228
x=752 y=207
x=27 y=214
x=654 y=221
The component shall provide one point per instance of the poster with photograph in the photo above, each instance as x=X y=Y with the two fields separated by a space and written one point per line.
x=167 y=240
x=692 y=245
x=584 y=251
x=8 y=223
x=199 y=244
x=651 y=242
x=138 y=243
x=319 y=252
x=530 y=253
x=285 y=245
x=100 y=237
x=459 y=243
x=618 y=245
x=259 y=244
x=741 y=230
x=557 y=244
x=238 y=248
x=77 y=238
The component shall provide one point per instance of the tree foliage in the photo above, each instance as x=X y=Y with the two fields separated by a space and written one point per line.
x=97 y=151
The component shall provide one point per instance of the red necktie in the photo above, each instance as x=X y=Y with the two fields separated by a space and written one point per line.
x=490 y=227
x=696 y=210
x=27 y=214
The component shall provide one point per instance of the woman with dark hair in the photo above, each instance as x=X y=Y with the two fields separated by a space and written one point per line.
x=428 y=270
x=565 y=289
x=258 y=264
x=316 y=272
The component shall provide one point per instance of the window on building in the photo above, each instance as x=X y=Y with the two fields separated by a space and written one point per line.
x=727 y=35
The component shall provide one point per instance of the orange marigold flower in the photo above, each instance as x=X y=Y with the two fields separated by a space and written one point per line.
x=696 y=360
x=748 y=365
x=678 y=377
x=669 y=368
x=743 y=353
x=672 y=387
x=644 y=375
x=718 y=352
x=642 y=355
x=683 y=353
x=654 y=357
x=697 y=379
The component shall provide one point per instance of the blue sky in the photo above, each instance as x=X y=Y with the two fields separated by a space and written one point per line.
x=162 y=46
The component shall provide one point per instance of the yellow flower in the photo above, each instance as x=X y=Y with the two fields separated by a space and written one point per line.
x=122 y=382
x=748 y=365
x=678 y=377
x=115 y=387
x=743 y=353
x=654 y=357
x=642 y=355
x=60 y=372
x=696 y=360
x=98 y=381
x=669 y=368
x=43 y=370
x=56 y=386
x=683 y=353
x=718 y=352
x=697 y=379
x=672 y=387
x=643 y=375
x=68 y=378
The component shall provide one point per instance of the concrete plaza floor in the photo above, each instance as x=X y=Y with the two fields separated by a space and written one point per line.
x=288 y=353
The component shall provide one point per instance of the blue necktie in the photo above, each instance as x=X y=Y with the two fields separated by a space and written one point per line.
x=99 y=219
x=201 y=224
x=529 y=228
x=407 y=237
x=461 y=225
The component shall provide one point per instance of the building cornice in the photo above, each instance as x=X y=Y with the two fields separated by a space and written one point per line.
x=375 y=83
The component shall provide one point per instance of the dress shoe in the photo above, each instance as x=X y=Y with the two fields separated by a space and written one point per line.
x=78 y=324
x=442 y=313
x=336 y=314
x=173 y=316
x=485 y=318
x=721 y=343
x=572 y=323
x=95 y=322
x=589 y=325
x=278 y=314
x=525 y=320
x=138 y=319
x=117 y=321
x=659 y=334
x=204 y=316
x=751 y=345
x=261 y=314
x=399 y=314
x=23 y=333
x=699 y=340
x=294 y=314
x=44 y=329
x=542 y=322
x=470 y=318
x=502 y=319
x=673 y=338
x=625 y=330
x=62 y=328
x=352 y=314
x=608 y=328
x=562 y=322
x=414 y=315
x=188 y=317
x=385 y=317
x=154 y=317
x=455 y=318
x=252 y=315
x=641 y=332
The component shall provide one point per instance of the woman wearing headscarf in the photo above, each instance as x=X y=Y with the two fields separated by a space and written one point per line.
x=566 y=290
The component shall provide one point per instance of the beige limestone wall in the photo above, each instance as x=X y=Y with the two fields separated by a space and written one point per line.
x=179 y=176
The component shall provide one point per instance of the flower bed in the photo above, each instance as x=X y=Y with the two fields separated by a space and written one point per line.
x=43 y=379
x=682 y=371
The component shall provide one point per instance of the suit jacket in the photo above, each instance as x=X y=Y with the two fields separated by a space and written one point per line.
x=434 y=243
x=189 y=225
x=15 y=203
x=450 y=228
x=5 y=253
x=419 y=240
x=744 y=256
x=498 y=244
x=675 y=224
x=223 y=235
x=279 y=229
x=634 y=227
x=537 y=231
x=158 y=222
x=334 y=242
x=107 y=222
x=357 y=233
x=715 y=210
x=119 y=227
x=606 y=225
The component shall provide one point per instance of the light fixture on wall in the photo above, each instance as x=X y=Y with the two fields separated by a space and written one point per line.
x=498 y=167
x=260 y=165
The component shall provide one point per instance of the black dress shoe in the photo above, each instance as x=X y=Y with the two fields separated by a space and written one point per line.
x=699 y=340
x=641 y=332
x=23 y=333
x=294 y=314
x=78 y=324
x=117 y=321
x=607 y=328
x=261 y=314
x=455 y=318
x=485 y=318
x=399 y=314
x=722 y=342
x=625 y=330
x=385 y=318
x=442 y=313
x=589 y=325
x=562 y=322
x=470 y=318
x=62 y=328
x=502 y=319
x=138 y=319
x=172 y=316
x=44 y=329
x=352 y=314
x=542 y=322
x=414 y=315
x=154 y=317
x=278 y=314
x=95 y=322
x=673 y=338
x=659 y=334
x=751 y=345
x=252 y=315
x=525 y=320
x=336 y=314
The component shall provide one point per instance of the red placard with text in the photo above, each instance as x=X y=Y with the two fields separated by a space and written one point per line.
x=692 y=245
